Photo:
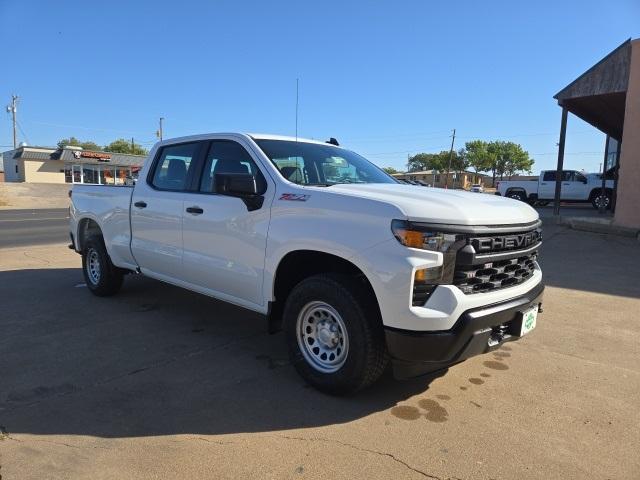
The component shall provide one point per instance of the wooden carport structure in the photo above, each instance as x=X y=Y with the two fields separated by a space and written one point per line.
x=606 y=96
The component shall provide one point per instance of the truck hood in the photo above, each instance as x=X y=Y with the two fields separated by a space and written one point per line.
x=437 y=205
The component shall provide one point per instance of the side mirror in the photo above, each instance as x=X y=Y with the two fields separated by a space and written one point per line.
x=235 y=184
x=241 y=185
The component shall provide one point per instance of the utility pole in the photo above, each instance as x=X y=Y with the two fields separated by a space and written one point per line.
x=159 y=132
x=132 y=146
x=13 y=108
x=453 y=139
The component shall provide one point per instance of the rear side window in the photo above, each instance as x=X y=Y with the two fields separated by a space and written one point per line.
x=227 y=156
x=174 y=166
x=550 y=176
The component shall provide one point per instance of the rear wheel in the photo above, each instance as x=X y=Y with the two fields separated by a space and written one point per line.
x=102 y=277
x=598 y=200
x=334 y=334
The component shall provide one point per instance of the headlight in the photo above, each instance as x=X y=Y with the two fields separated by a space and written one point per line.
x=413 y=236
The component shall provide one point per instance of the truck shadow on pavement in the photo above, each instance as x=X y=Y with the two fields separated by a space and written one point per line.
x=591 y=262
x=153 y=360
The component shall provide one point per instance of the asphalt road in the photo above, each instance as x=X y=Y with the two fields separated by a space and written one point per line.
x=33 y=227
x=158 y=382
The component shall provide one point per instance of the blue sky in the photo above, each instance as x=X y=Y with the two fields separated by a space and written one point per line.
x=386 y=78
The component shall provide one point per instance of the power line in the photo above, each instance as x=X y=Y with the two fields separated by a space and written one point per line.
x=22 y=131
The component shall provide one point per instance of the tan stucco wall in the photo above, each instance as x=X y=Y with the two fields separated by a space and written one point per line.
x=628 y=200
x=43 y=171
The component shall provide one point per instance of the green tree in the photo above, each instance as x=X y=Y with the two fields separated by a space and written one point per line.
x=428 y=161
x=477 y=155
x=390 y=170
x=508 y=158
x=74 y=142
x=123 y=146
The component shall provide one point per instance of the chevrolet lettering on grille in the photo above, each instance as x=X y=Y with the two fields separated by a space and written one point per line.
x=506 y=242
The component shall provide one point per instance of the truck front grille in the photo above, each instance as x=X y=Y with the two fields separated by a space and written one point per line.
x=494 y=275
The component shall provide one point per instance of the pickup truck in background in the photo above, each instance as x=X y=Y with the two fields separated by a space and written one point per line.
x=356 y=268
x=576 y=187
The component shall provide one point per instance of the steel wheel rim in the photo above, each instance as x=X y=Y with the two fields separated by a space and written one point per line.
x=93 y=266
x=322 y=337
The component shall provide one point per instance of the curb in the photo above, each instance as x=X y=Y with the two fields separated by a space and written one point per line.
x=597 y=225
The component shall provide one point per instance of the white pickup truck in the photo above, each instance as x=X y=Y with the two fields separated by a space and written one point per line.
x=575 y=187
x=356 y=268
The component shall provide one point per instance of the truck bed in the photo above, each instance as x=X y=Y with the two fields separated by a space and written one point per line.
x=109 y=206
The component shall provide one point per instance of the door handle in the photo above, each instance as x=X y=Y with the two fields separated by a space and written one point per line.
x=543 y=183
x=195 y=210
x=140 y=204
x=565 y=184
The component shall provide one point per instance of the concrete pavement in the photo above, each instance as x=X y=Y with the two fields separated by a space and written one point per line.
x=158 y=382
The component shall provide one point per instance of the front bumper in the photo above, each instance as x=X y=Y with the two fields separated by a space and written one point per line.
x=476 y=331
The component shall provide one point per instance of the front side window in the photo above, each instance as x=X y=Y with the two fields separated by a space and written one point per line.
x=227 y=156
x=580 y=178
x=172 y=168
x=318 y=164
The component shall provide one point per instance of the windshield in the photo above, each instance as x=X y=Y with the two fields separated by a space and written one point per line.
x=316 y=164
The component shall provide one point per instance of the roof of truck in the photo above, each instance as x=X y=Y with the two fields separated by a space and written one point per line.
x=268 y=136
x=254 y=136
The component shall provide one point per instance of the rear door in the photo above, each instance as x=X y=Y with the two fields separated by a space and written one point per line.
x=224 y=239
x=156 y=211
x=547 y=184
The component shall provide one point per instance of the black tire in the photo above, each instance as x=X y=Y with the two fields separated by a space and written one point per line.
x=366 y=356
x=596 y=198
x=517 y=196
x=106 y=279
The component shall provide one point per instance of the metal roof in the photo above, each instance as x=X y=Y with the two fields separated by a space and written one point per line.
x=69 y=156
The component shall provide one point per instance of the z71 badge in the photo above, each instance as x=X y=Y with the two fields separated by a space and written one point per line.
x=294 y=197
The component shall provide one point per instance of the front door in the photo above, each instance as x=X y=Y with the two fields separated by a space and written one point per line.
x=547 y=185
x=224 y=239
x=156 y=212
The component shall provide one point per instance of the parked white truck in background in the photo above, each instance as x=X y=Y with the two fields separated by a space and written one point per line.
x=576 y=187
x=357 y=268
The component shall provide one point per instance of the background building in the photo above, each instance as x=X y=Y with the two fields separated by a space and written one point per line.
x=69 y=165
x=435 y=178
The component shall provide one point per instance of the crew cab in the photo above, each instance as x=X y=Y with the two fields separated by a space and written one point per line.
x=358 y=270
x=575 y=187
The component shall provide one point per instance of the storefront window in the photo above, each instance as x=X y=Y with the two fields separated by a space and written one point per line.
x=106 y=176
x=77 y=174
x=121 y=175
x=68 y=175
x=90 y=174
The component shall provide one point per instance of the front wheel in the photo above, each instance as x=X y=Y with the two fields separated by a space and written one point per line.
x=102 y=277
x=334 y=334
